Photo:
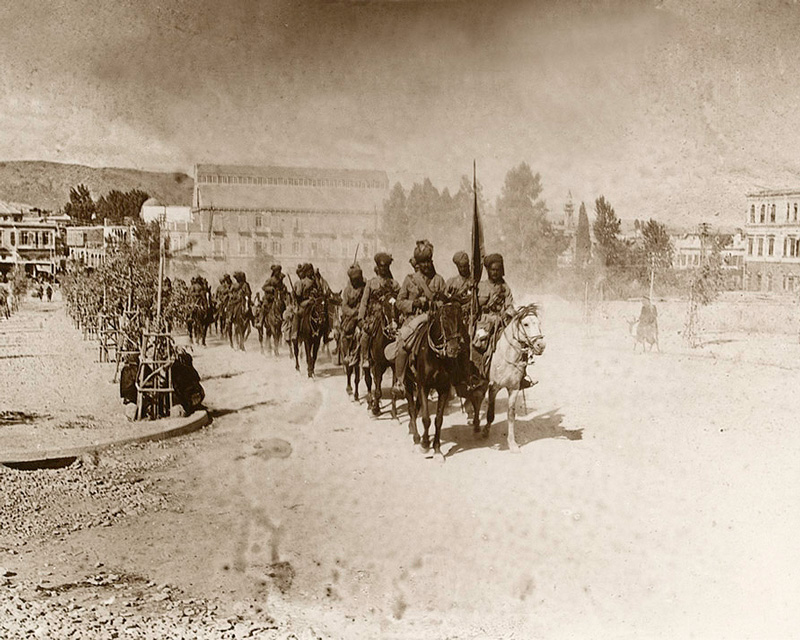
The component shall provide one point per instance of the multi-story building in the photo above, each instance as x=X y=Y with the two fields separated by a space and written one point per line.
x=247 y=214
x=689 y=254
x=772 y=256
x=28 y=239
x=89 y=244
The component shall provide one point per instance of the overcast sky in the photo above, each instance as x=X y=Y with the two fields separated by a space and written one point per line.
x=670 y=109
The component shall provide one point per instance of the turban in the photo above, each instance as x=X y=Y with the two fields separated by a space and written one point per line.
x=225 y=278
x=275 y=268
x=423 y=251
x=354 y=271
x=383 y=259
x=460 y=258
x=493 y=258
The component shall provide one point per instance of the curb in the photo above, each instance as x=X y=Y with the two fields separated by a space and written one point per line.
x=56 y=458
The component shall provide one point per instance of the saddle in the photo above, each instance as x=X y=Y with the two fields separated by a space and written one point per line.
x=409 y=336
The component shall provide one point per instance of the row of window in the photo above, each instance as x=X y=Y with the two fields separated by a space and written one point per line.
x=275 y=248
x=765 y=245
x=770 y=214
x=281 y=223
x=291 y=182
x=759 y=282
x=30 y=239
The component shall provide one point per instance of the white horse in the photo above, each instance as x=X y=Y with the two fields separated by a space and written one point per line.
x=520 y=341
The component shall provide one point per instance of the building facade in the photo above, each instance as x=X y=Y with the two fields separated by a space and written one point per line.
x=689 y=254
x=89 y=244
x=245 y=214
x=772 y=255
x=29 y=239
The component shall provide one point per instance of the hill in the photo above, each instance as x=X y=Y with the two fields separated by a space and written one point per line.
x=46 y=185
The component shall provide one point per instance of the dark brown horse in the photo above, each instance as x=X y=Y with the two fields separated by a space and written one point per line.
x=201 y=315
x=349 y=354
x=434 y=368
x=267 y=318
x=239 y=318
x=312 y=327
x=382 y=329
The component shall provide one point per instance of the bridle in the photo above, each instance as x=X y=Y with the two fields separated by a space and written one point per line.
x=521 y=341
x=440 y=350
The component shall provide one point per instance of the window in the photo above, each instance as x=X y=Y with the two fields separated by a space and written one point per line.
x=295 y=248
x=750 y=246
x=45 y=238
x=794 y=217
x=23 y=238
x=752 y=213
x=761 y=246
x=770 y=245
x=13 y=239
x=258 y=247
x=763 y=213
x=786 y=246
x=772 y=213
x=758 y=282
x=218 y=247
x=258 y=220
x=769 y=282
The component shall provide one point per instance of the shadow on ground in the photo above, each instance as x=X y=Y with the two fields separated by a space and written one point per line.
x=540 y=427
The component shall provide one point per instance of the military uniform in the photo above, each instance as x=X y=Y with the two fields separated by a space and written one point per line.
x=375 y=292
x=351 y=300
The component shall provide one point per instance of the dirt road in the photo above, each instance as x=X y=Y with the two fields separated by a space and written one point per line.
x=655 y=496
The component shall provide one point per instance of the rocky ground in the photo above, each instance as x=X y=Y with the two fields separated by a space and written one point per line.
x=655 y=496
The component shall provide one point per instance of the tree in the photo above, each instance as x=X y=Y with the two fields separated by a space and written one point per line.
x=655 y=252
x=583 y=241
x=81 y=208
x=606 y=231
x=116 y=205
x=395 y=215
x=706 y=283
x=534 y=244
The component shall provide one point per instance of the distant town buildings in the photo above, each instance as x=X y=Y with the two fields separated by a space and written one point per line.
x=772 y=258
x=90 y=244
x=29 y=239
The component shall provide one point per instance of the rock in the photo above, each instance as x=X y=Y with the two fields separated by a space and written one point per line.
x=177 y=411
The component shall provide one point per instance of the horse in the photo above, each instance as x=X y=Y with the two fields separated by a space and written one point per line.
x=521 y=339
x=200 y=317
x=311 y=329
x=239 y=319
x=260 y=308
x=268 y=321
x=434 y=367
x=382 y=331
x=349 y=354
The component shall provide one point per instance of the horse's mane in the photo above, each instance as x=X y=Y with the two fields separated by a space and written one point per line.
x=531 y=309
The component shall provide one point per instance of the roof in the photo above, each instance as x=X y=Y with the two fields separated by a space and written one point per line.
x=14 y=207
x=312 y=173
x=152 y=202
x=768 y=193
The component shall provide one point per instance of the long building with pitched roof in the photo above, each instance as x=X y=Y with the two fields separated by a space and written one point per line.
x=245 y=215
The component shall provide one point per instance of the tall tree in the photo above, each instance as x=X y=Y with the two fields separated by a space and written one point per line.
x=606 y=231
x=583 y=241
x=395 y=216
x=117 y=205
x=534 y=244
x=81 y=208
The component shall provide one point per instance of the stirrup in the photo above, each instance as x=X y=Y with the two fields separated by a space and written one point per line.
x=526 y=382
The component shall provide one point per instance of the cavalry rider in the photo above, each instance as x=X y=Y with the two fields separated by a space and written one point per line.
x=459 y=288
x=241 y=288
x=305 y=290
x=417 y=295
x=375 y=291
x=495 y=310
x=351 y=299
x=221 y=294
x=274 y=284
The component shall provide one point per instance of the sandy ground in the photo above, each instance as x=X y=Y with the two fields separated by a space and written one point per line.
x=655 y=496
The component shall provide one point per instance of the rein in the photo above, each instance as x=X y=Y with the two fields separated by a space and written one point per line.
x=519 y=340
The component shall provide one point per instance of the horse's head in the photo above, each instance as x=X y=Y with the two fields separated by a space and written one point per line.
x=529 y=329
x=446 y=330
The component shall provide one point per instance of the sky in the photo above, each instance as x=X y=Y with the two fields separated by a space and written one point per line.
x=671 y=110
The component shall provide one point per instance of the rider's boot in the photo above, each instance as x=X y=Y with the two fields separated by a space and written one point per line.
x=400 y=364
x=527 y=381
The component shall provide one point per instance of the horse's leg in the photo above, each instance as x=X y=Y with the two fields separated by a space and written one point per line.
x=475 y=399
x=512 y=415
x=489 y=410
x=309 y=360
x=377 y=377
x=260 y=330
x=422 y=394
x=444 y=398
x=357 y=375
x=349 y=372
x=394 y=398
x=296 y=349
x=413 y=412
